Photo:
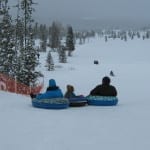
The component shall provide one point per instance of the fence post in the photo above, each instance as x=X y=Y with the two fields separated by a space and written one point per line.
x=15 y=85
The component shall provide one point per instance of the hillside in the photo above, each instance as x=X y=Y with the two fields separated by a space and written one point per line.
x=123 y=127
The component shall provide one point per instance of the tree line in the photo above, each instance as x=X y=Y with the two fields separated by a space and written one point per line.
x=18 y=55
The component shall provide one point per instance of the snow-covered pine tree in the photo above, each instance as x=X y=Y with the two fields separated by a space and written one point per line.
x=70 y=40
x=147 y=34
x=54 y=35
x=62 y=54
x=7 y=50
x=19 y=40
x=36 y=31
x=43 y=38
x=50 y=62
x=28 y=54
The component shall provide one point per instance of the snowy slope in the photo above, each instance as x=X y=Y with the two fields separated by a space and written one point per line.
x=124 y=127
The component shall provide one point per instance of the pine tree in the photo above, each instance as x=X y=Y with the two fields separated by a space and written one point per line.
x=62 y=54
x=19 y=40
x=36 y=31
x=54 y=37
x=28 y=54
x=7 y=51
x=70 y=40
x=43 y=38
x=50 y=62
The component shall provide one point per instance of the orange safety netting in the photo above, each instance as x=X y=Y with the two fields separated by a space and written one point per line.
x=11 y=85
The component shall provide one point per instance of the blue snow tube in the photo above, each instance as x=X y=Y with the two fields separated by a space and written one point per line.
x=52 y=103
x=77 y=101
x=102 y=100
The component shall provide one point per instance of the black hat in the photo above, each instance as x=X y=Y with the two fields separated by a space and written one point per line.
x=106 y=80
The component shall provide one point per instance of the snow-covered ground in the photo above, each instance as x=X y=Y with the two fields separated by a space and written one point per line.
x=122 y=127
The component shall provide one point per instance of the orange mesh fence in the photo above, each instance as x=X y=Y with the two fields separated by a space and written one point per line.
x=11 y=85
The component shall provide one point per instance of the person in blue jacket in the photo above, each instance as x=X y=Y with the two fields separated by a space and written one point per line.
x=53 y=91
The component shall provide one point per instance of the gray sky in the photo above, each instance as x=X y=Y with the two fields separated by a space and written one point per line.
x=135 y=12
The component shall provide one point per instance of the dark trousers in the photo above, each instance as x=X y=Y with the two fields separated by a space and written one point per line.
x=32 y=95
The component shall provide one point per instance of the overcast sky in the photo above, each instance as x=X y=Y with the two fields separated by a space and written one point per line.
x=104 y=11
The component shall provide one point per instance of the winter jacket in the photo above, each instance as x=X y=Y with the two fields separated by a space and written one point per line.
x=52 y=91
x=104 y=90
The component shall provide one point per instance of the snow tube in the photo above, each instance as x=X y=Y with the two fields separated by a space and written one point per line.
x=102 y=100
x=77 y=101
x=53 y=103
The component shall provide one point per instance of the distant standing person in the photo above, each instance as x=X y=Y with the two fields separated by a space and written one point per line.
x=38 y=55
x=112 y=73
x=104 y=89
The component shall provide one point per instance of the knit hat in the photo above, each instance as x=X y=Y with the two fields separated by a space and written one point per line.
x=106 y=80
x=52 y=83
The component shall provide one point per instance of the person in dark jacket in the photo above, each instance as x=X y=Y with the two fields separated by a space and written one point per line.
x=53 y=91
x=104 y=89
x=112 y=73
